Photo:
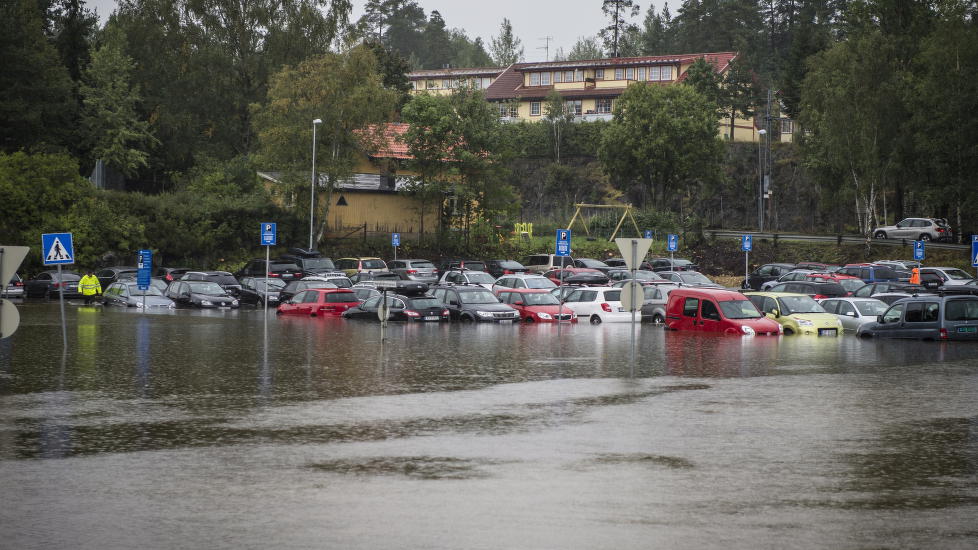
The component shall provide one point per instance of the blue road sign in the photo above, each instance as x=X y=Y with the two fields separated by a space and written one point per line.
x=144 y=269
x=395 y=239
x=918 y=250
x=649 y=234
x=974 y=251
x=672 y=242
x=57 y=249
x=746 y=242
x=563 y=242
x=269 y=233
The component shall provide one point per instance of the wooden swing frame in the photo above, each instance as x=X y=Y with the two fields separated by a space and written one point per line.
x=626 y=213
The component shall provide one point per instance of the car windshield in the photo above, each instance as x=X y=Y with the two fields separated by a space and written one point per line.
x=509 y=264
x=739 y=309
x=692 y=277
x=539 y=282
x=316 y=284
x=373 y=264
x=851 y=285
x=539 y=299
x=477 y=297
x=643 y=275
x=318 y=264
x=342 y=282
x=870 y=309
x=151 y=291
x=957 y=275
x=682 y=262
x=224 y=279
x=206 y=287
x=480 y=278
x=799 y=304
x=424 y=303
x=593 y=263
x=273 y=284
x=284 y=267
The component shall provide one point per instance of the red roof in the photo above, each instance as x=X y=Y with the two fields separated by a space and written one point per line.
x=390 y=140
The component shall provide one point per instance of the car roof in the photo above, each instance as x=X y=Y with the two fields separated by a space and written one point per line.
x=719 y=294
x=525 y=290
x=770 y=294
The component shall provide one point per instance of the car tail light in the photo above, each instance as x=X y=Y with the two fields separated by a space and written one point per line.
x=507 y=272
x=819 y=297
x=445 y=313
x=606 y=307
x=169 y=278
x=943 y=334
x=412 y=271
x=18 y=283
x=410 y=313
x=274 y=275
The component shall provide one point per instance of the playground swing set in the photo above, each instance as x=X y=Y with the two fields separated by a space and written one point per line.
x=626 y=213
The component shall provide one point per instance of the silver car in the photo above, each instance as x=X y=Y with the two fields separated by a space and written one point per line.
x=917 y=229
x=128 y=294
x=854 y=311
x=949 y=276
x=414 y=270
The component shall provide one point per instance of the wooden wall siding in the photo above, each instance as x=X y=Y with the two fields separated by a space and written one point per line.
x=381 y=212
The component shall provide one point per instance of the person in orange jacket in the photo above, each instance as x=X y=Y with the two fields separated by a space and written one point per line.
x=915 y=276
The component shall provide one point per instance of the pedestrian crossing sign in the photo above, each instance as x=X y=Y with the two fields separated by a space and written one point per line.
x=57 y=249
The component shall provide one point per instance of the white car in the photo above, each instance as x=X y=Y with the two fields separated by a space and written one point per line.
x=467 y=277
x=598 y=304
x=853 y=312
x=917 y=229
x=949 y=276
x=522 y=280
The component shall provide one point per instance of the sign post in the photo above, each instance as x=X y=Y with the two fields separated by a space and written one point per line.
x=562 y=249
x=268 y=239
x=918 y=251
x=633 y=251
x=144 y=268
x=746 y=244
x=974 y=252
x=395 y=242
x=58 y=249
x=672 y=245
x=10 y=259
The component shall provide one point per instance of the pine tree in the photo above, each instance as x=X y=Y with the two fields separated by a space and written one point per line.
x=506 y=49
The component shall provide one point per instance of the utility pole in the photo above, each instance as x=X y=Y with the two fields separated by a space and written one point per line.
x=546 y=46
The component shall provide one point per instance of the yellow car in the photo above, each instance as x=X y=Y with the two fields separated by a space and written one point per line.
x=352 y=266
x=797 y=313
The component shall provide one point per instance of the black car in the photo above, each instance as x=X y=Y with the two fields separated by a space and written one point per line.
x=474 y=303
x=227 y=281
x=401 y=307
x=170 y=274
x=47 y=285
x=591 y=263
x=258 y=290
x=296 y=286
x=108 y=275
x=285 y=270
x=498 y=268
x=309 y=262
x=202 y=294
x=677 y=264
x=765 y=273
x=471 y=265
x=620 y=263
x=816 y=289
x=373 y=276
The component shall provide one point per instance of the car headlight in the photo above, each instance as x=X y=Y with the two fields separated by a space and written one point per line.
x=544 y=315
x=484 y=313
x=206 y=303
x=805 y=323
x=234 y=302
x=747 y=330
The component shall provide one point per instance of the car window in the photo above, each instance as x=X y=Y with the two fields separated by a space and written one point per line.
x=766 y=270
x=478 y=297
x=574 y=296
x=737 y=309
x=845 y=308
x=709 y=310
x=310 y=297
x=480 y=278
x=831 y=306
x=893 y=314
x=206 y=287
x=372 y=303
x=770 y=305
x=588 y=295
x=961 y=310
x=783 y=287
x=957 y=275
x=799 y=304
x=871 y=309
x=341 y=297
x=612 y=295
x=690 y=307
x=299 y=298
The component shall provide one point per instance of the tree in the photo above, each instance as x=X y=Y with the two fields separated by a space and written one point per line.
x=619 y=11
x=74 y=29
x=346 y=92
x=732 y=92
x=661 y=140
x=430 y=140
x=506 y=49
x=113 y=131
x=557 y=117
x=585 y=48
x=437 y=49
x=657 y=34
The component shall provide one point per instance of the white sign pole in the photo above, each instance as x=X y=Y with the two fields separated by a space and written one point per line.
x=632 y=331
x=61 y=300
x=268 y=266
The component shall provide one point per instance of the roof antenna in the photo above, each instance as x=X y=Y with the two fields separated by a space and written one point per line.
x=546 y=46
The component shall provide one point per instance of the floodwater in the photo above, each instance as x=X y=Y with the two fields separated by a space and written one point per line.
x=192 y=429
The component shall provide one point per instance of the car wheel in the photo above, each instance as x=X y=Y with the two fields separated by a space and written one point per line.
x=528 y=320
x=788 y=332
x=880 y=235
x=595 y=320
x=657 y=319
x=923 y=237
x=466 y=319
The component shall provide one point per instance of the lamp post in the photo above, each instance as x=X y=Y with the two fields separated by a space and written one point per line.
x=760 y=182
x=312 y=187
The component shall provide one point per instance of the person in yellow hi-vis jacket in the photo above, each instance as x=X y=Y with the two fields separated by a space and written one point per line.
x=89 y=287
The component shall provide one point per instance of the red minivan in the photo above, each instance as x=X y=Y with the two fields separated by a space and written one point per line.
x=715 y=310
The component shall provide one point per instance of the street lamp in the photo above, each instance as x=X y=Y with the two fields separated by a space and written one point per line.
x=312 y=194
x=760 y=182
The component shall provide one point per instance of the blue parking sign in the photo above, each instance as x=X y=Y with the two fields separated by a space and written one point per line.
x=746 y=242
x=395 y=239
x=649 y=234
x=672 y=242
x=918 y=250
x=144 y=269
x=269 y=232
x=563 y=242
x=974 y=251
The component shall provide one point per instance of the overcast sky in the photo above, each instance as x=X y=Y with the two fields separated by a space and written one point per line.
x=563 y=20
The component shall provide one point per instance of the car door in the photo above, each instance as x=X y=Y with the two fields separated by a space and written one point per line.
x=709 y=316
x=690 y=318
x=903 y=229
x=847 y=314
x=451 y=300
x=760 y=276
x=921 y=320
x=891 y=321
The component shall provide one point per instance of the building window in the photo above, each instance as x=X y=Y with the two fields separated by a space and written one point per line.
x=534 y=79
x=558 y=77
x=619 y=74
x=573 y=107
x=787 y=126
x=476 y=83
x=579 y=75
x=654 y=73
x=508 y=110
x=568 y=76
x=641 y=73
x=666 y=73
x=534 y=108
x=544 y=79
x=629 y=74
x=486 y=82
x=432 y=84
x=447 y=84
x=603 y=106
x=599 y=74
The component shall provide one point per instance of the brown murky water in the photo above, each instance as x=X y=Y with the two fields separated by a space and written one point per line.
x=216 y=430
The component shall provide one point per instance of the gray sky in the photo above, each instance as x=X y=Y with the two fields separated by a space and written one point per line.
x=563 y=20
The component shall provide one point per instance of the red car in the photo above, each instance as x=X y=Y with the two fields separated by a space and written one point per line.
x=848 y=282
x=536 y=305
x=715 y=310
x=323 y=302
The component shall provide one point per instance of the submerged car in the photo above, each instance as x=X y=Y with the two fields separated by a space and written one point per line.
x=927 y=317
x=202 y=294
x=522 y=280
x=128 y=294
x=401 y=307
x=259 y=290
x=689 y=278
x=296 y=286
x=536 y=305
x=319 y=302
x=598 y=304
x=797 y=313
x=853 y=312
x=469 y=303
x=47 y=284
x=716 y=310
x=467 y=277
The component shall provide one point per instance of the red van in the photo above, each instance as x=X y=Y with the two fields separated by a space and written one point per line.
x=715 y=310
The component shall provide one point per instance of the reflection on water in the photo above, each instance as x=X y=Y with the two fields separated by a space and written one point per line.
x=757 y=437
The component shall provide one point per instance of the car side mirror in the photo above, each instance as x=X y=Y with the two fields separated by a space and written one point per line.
x=850 y=313
x=879 y=319
x=518 y=303
x=775 y=313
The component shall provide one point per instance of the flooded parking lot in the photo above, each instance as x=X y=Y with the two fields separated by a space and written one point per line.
x=219 y=429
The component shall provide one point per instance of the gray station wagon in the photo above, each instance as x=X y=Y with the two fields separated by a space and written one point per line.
x=931 y=317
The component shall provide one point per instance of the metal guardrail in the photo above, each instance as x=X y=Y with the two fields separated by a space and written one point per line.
x=838 y=239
